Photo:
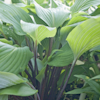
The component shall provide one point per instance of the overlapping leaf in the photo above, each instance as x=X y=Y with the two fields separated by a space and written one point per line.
x=13 y=59
x=71 y=24
x=53 y=17
x=94 y=85
x=83 y=5
x=63 y=57
x=9 y=32
x=38 y=32
x=12 y=14
x=18 y=90
x=11 y=84
x=85 y=36
x=9 y=79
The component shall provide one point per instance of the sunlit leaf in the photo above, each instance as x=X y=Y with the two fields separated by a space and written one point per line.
x=6 y=41
x=84 y=37
x=38 y=32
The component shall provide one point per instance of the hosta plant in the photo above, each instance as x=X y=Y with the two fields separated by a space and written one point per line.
x=46 y=46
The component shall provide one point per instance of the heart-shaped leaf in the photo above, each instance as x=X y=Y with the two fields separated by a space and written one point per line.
x=12 y=14
x=53 y=17
x=14 y=59
x=38 y=32
x=85 y=36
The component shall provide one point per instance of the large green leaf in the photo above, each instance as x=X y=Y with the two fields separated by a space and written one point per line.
x=62 y=57
x=18 y=90
x=71 y=24
x=85 y=36
x=13 y=59
x=9 y=79
x=3 y=97
x=12 y=14
x=53 y=17
x=38 y=32
x=80 y=5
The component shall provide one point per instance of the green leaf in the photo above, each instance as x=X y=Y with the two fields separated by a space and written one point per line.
x=71 y=24
x=39 y=63
x=16 y=1
x=80 y=5
x=53 y=4
x=96 y=12
x=18 y=90
x=84 y=37
x=9 y=79
x=94 y=85
x=97 y=48
x=62 y=58
x=3 y=97
x=52 y=16
x=14 y=59
x=6 y=41
x=74 y=72
x=36 y=18
x=12 y=14
x=80 y=90
x=96 y=77
x=0 y=24
x=38 y=32
x=41 y=75
x=9 y=32
x=39 y=1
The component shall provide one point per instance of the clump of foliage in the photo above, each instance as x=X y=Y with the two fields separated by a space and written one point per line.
x=47 y=47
